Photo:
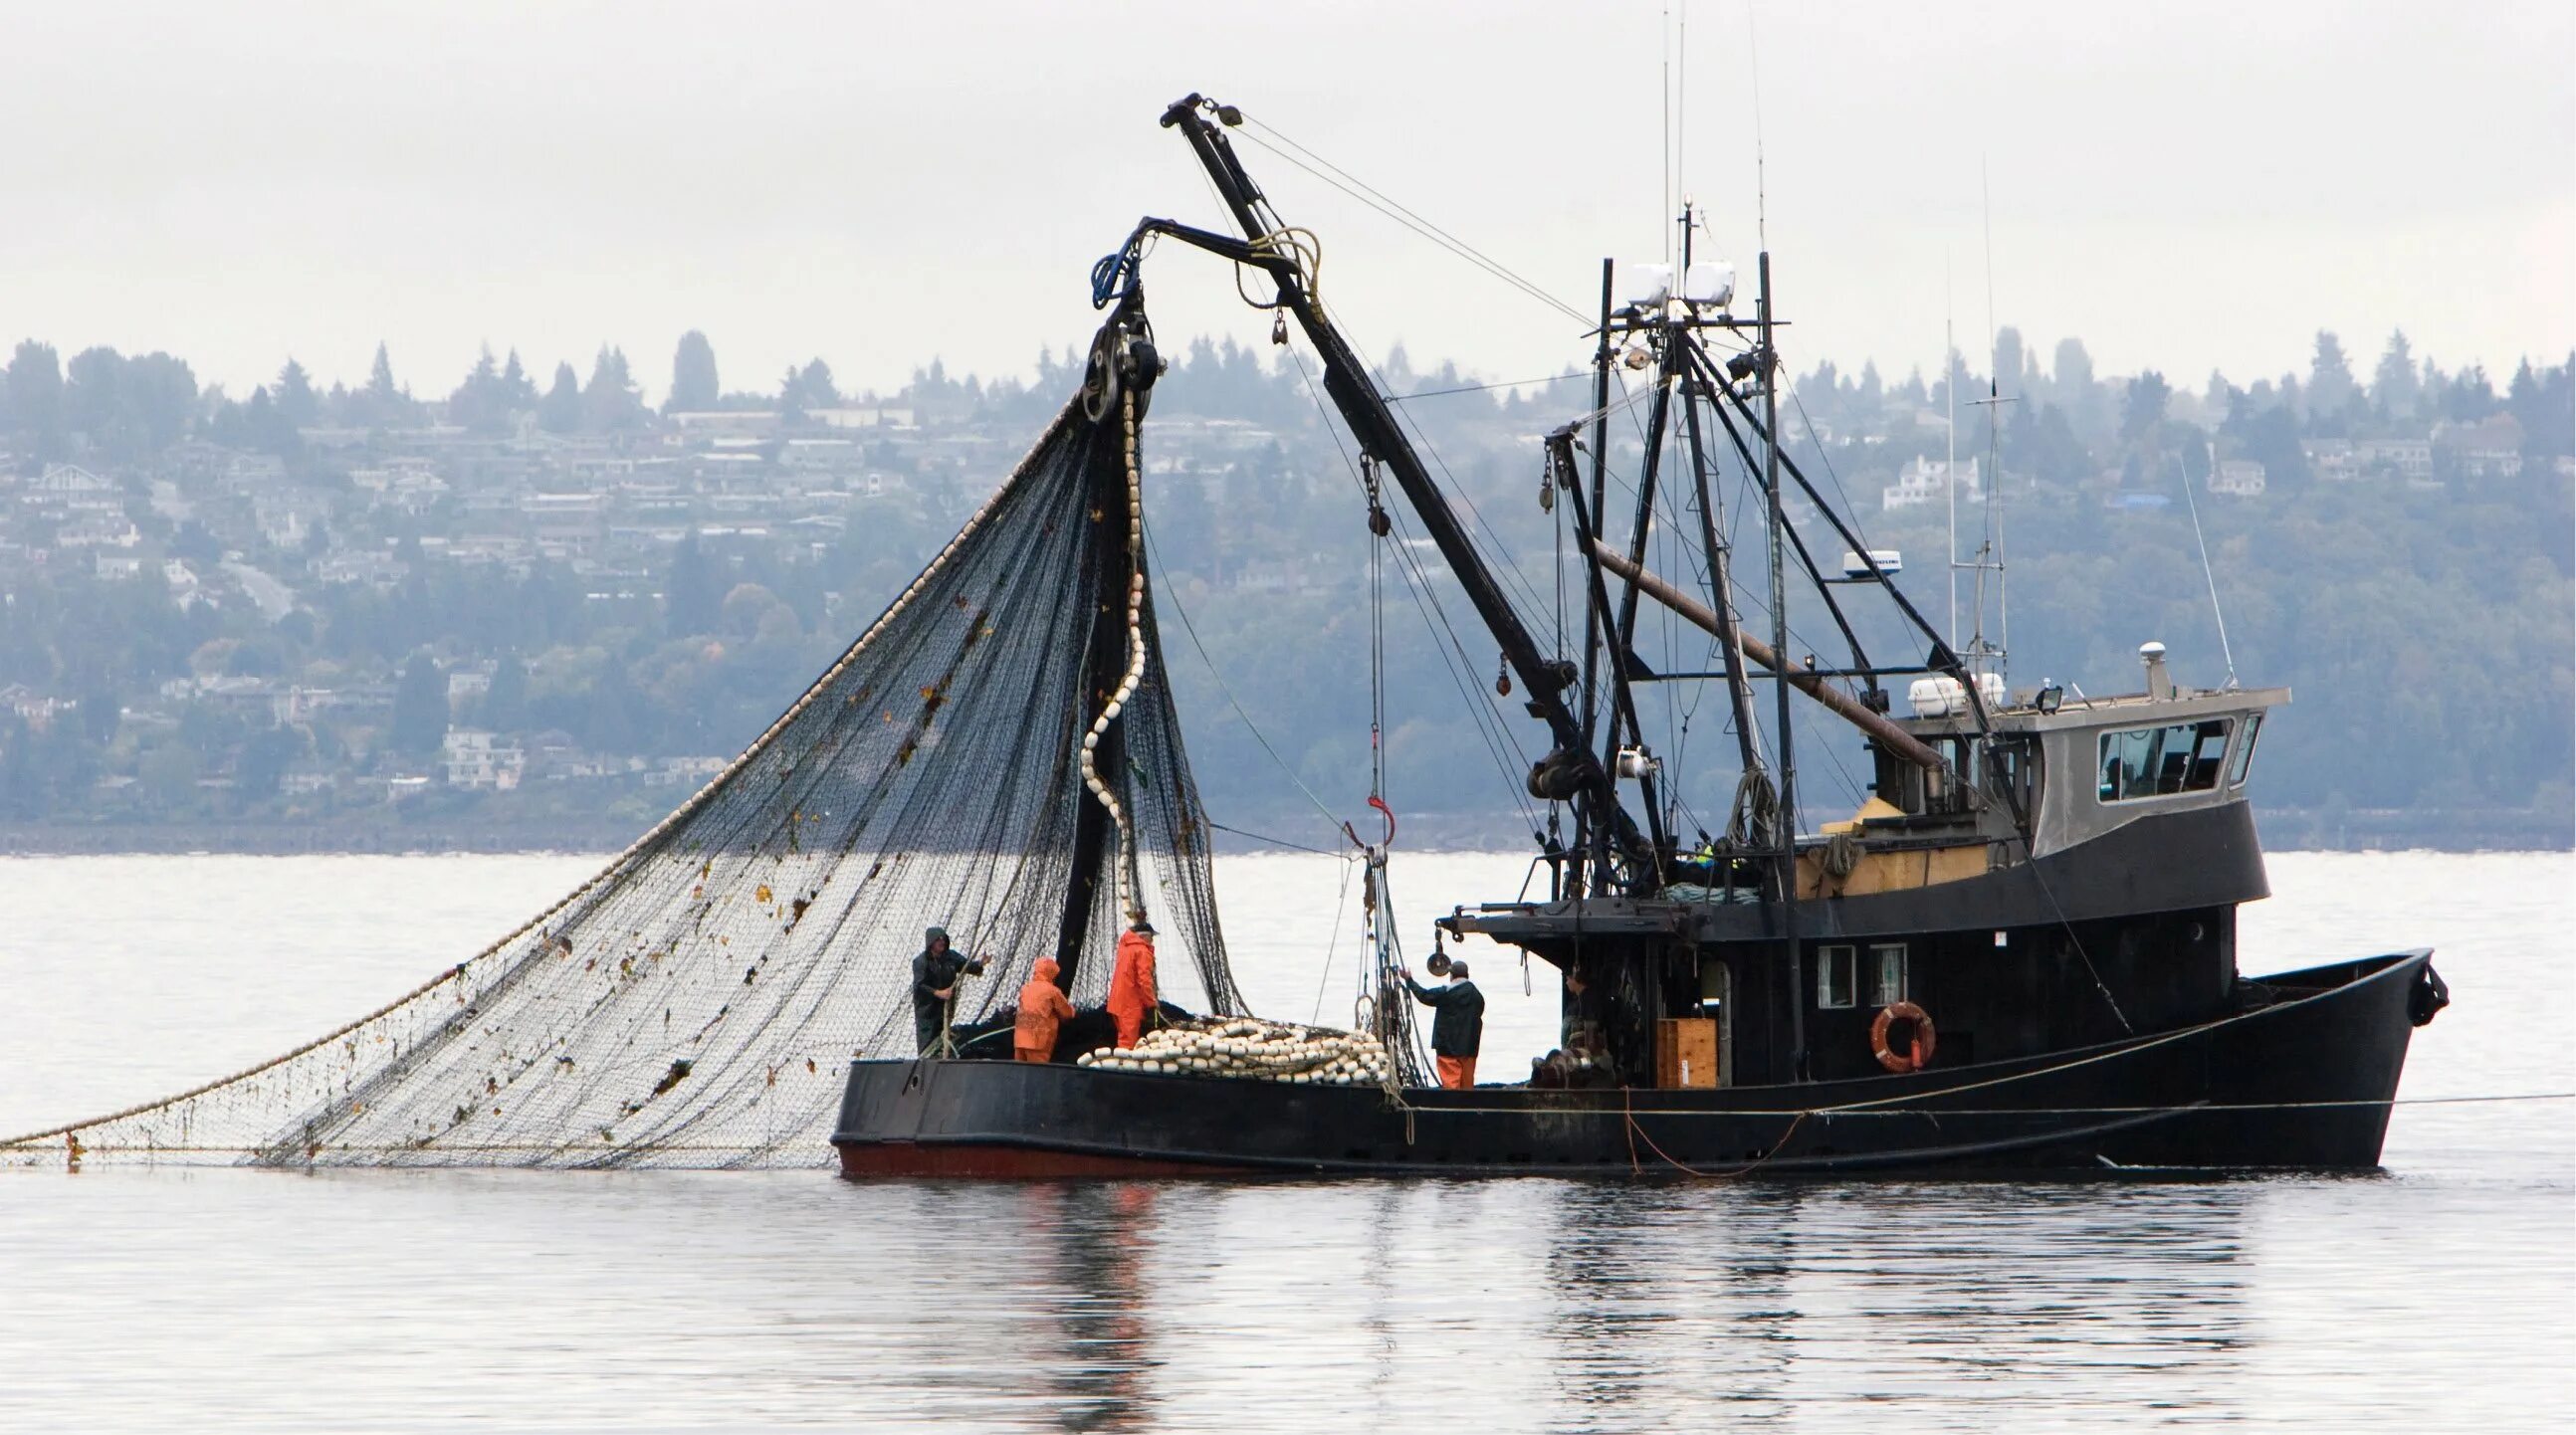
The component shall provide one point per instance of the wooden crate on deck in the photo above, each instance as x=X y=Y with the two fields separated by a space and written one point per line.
x=1686 y=1053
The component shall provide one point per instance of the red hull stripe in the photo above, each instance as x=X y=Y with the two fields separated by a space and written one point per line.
x=880 y=1160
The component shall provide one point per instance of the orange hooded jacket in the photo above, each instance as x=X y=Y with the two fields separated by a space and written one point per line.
x=1042 y=1005
x=1131 y=984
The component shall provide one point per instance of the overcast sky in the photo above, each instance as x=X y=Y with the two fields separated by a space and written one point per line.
x=2183 y=185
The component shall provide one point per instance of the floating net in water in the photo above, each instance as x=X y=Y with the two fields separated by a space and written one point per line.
x=997 y=754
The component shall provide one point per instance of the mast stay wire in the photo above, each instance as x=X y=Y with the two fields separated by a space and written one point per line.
x=1480 y=711
x=1480 y=388
x=1372 y=197
x=1753 y=607
x=1155 y=554
x=1307 y=257
x=1528 y=592
x=1462 y=671
x=1324 y=979
x=1369 y=195
x=1277 y=225
x=1425 y=598
x=1818 y=444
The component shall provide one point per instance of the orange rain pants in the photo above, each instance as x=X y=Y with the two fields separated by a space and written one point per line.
x=1457 y=1073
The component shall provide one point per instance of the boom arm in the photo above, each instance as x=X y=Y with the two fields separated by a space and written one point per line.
x=1346 y=381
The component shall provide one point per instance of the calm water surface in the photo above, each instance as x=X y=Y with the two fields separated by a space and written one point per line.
x=2439 y=1296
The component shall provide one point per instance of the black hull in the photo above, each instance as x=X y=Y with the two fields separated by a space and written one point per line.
x=2303 y=1082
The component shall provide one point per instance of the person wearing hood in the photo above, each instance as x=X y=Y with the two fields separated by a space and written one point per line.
x=1042 y=1006
x=1131 y=982
x=1457 y=1026
x=934 y=986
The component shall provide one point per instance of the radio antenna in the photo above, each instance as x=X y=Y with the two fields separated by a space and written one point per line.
x=1761 y=192
x=1950 y=465
x=1994 y=435
x=2206 y=571
x=1663 y=220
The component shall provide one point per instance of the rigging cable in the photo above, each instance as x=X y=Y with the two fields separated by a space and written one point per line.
x=1480 y=388
x=1263 y=837
x=1341 y=905
x=1367 y=194
x=1510 y=566
x=1304 y=253
x=1335 y=823
x=1479 y=713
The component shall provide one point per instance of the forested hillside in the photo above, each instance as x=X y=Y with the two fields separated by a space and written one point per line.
x=535 y=616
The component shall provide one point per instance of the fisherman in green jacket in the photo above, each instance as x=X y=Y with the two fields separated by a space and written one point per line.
x=934 y=986
x=1457 y=1029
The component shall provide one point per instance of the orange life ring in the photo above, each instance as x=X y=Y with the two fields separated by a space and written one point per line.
x=1924 y=1038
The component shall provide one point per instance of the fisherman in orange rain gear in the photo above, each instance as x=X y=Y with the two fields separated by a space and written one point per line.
x=1131 y=982
x=1042 y=1005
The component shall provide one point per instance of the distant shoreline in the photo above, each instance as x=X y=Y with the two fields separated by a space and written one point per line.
x=2283 y=829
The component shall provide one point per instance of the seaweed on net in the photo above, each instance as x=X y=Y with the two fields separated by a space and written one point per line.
x=692 y=1004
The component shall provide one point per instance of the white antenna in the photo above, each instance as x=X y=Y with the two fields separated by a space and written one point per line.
x=1950 y=470
x=1681 y=110
x=1663 y=220
x=1990 y=656
x=1761 y=192
x=1994 y=438
x=2206 y=571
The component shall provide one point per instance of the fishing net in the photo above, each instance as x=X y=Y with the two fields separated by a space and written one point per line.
x=997 y=753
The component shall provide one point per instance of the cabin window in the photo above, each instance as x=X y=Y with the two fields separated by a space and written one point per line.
x=2008 y=772
x=1887 y=974
x=2245 y=752
x=2161 y=761
x=1834 y=976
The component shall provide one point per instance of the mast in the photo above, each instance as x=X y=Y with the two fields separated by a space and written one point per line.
x=1787 y=819
x=1623 y=639
x=1104 y=664
x=1721 y=585
x=1585 y=830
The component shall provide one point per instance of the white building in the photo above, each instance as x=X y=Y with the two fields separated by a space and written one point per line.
x=2242 y=477
x=473 y=761
x=2490 y=448
x=2410 y=458
x=97 y=533
x=69 y=480
x=1929 y=480
x=469 y=681
x=2331 y=459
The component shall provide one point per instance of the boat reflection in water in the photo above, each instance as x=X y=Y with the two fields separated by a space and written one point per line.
x=1573 y=1304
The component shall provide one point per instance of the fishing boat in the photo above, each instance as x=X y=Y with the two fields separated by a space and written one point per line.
x=2019 y=954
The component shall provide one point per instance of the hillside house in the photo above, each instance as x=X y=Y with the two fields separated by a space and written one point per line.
x=2237 y=477
x=1930 y=480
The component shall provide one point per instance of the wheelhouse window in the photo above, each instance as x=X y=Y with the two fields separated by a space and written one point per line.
x=1887 y=974
x=1834 y=976
x=2244 y=759
x=2009 y=771
x=2161 y=761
